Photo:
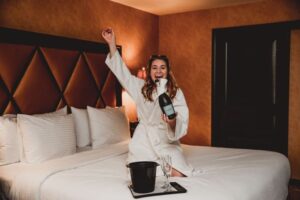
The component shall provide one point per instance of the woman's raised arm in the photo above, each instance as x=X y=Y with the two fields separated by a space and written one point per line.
x=116 y=64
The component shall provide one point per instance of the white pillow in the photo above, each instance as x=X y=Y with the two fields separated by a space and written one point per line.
x=9 y=143
x=46 y=137
x=108 y=126
x=62 y=111
x=82 y=129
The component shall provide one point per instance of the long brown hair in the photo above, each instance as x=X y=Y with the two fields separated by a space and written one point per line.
x=150 y=85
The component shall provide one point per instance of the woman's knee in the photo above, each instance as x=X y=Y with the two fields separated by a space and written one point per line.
x=176 y=173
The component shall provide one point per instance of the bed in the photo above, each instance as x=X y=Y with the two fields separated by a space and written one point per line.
x=74 y=75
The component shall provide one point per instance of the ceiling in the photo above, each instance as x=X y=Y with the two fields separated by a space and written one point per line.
x=164 y=7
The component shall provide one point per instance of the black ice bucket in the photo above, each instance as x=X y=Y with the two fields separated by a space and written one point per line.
x=143 y=176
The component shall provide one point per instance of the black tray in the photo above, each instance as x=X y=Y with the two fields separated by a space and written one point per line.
x=176 y=188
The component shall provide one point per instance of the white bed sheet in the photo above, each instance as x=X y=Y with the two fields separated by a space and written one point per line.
x=226 y=174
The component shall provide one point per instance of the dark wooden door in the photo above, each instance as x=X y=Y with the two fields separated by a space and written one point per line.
x=250 y=87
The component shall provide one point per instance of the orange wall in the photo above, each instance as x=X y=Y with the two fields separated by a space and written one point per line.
x=136 y=31
x=187 y=39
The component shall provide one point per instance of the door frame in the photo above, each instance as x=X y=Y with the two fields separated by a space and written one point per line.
x=282 y=25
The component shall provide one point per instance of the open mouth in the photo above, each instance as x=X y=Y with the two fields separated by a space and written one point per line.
x=158 y=77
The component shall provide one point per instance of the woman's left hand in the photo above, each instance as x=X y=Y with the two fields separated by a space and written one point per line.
x=171 y=122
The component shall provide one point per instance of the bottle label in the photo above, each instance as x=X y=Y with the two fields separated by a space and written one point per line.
x=169 y=110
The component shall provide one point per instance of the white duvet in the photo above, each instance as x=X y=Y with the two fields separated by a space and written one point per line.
x=226 y=174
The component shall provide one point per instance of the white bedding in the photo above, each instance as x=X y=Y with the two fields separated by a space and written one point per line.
x=227 y=174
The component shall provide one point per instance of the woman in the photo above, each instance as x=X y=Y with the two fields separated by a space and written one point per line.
x=155 y=135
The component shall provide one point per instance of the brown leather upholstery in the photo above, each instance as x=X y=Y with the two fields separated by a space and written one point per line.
x=41 y=73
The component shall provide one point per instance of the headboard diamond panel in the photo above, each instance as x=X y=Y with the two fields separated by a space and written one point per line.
x=41 y=73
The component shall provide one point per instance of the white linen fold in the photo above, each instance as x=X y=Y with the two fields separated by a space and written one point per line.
x=26 y=185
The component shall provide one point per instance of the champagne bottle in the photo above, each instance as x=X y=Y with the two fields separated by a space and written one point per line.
x=164 y=100
x=166 y=105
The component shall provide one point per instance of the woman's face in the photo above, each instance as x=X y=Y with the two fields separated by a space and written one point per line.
x=158 y=69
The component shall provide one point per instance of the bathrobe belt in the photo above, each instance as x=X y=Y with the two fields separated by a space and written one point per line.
x=152 y=131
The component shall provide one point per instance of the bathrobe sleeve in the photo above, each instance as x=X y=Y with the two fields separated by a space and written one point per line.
x=129 y=82
x=182 y=118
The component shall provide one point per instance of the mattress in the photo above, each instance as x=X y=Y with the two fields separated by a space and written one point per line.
x=224 y=173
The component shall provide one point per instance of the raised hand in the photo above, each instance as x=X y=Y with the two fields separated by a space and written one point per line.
x=109 y=36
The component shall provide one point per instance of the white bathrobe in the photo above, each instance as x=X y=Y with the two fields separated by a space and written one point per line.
x=153 y=137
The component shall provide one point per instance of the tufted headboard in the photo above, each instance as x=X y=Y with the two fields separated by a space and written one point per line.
x=40 y=73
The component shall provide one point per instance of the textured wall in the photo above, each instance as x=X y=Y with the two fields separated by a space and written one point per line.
x=294 y=114
x=187 y=39
x=136 y=31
